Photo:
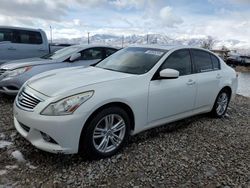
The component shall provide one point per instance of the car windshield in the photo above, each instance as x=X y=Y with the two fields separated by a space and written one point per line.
x=133 y=60
x=65 y=52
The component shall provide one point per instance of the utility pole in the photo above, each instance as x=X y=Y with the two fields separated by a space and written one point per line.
x=50 y=34
x=88 y=37
x=147 y=38
x=122 y=40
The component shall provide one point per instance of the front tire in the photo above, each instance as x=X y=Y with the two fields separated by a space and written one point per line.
x=221 y=104
x=106 y=133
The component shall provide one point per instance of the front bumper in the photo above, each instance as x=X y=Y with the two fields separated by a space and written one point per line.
x=64 y=130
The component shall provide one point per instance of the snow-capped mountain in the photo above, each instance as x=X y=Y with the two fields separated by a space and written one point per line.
x=120 y=41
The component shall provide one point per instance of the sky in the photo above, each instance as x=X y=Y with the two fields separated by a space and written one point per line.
x=221 y=19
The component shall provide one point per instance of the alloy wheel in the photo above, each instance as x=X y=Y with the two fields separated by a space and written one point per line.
x=222 y=103
x=109 y=133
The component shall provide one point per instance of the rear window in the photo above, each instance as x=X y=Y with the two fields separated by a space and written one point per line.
x=202 y=61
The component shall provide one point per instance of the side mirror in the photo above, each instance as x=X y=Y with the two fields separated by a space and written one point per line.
x=74 y=57
x=169 y=73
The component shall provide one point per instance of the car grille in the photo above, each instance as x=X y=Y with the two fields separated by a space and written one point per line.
x=27 y=101
x=2 y=71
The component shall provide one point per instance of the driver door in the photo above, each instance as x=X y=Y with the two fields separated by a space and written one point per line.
x=173 y=98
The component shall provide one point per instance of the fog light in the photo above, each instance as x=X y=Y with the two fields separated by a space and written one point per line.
x=47 y=138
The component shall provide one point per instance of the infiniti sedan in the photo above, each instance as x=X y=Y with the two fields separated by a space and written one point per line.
x=94 y=110
x=15 y=73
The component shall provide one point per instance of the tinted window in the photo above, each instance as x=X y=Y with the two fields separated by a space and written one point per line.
x=5 y=35
x=202 y=61
x=91 y=54
x=109 y=51
x=133 y=60
x=27 y=37
x=216 y=62
x=179 y=60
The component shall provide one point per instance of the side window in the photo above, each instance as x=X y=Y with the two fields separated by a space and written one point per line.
x=27 y=37
x=179 y=60
x=216 y=62
x=5 y=35
x=109 y=51
x=202 y=61
x=35 y=38
x=91 y=54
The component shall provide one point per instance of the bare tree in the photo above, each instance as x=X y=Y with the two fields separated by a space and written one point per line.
x=208 y=43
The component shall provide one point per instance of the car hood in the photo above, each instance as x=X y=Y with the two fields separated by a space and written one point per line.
x=25 y=62
x=56 y=82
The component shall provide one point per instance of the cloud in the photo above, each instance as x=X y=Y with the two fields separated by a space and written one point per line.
x=169 y=19
x=128 y=4
x=230 y=1
x=74 y=18
x=47 y=10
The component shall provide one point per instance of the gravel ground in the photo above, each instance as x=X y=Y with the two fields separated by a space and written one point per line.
x=196 y=152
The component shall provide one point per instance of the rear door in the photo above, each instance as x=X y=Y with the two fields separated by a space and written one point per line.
x=207 y=69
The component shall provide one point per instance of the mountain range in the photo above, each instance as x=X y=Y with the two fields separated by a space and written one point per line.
x=242 y=47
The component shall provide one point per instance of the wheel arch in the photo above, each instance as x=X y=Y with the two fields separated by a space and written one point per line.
x=122 y=105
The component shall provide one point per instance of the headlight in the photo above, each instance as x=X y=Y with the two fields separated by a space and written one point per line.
x=67 y=105
x=17 y=72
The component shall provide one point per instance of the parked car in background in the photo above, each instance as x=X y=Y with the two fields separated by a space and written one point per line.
x=15 y=73
x=245 y=60
x=19 y=43
x=233 y=58
x=94 y=110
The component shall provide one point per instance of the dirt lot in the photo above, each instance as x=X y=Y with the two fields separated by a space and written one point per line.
x=199 y=151
x=242 y=69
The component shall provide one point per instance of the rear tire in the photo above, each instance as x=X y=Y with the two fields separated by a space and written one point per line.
x=221 y=104
x=106 y=133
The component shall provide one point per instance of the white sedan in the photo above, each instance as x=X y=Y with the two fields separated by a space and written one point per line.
x=94 y=110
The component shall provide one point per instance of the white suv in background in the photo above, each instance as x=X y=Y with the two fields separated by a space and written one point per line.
x=20 y=43
x=95 y=109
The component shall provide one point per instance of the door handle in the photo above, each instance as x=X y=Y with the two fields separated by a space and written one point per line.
x=190 y=82
x=218 y=76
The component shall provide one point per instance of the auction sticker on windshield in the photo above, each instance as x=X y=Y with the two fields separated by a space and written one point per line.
x=154 y=52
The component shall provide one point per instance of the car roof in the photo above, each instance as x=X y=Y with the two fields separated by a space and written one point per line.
x=82 y=46
x=170 y=47
x=19 y=28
